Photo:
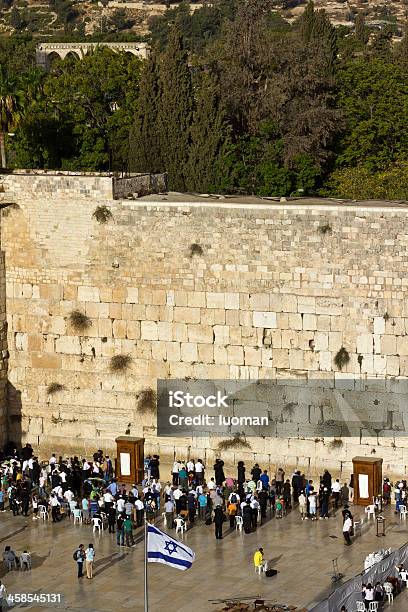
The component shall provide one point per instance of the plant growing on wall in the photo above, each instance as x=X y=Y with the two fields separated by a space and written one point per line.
x=79 y=320
x=120 y=363
x=147 y=401
x=102 y=214
x=236 y=442
x=342 y=358
x=325 y=229
x=54 y=387
x=196 y=249
x=336 y=443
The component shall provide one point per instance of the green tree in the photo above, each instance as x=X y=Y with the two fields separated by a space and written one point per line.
x=94 y=101
x=145 y=153
x=360 y=183
x=373 y=93
x=315 y=27
x=209 y=139
x=175 y=110
x=16 y=20
x=382 y=42
x=361 y=31
x=9 y=110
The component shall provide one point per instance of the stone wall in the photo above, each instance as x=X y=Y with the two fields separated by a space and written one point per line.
x=266 y=280
x=139 y=185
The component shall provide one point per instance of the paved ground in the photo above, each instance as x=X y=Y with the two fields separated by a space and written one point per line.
x=301 y=551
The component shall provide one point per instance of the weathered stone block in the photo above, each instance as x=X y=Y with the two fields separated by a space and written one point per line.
x=264 y=319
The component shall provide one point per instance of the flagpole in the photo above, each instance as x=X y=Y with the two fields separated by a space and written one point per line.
x=146 y=594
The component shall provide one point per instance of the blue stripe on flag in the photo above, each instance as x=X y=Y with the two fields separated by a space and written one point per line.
x=168 y=559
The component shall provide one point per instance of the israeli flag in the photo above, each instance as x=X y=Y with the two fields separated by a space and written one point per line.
x=161 y=548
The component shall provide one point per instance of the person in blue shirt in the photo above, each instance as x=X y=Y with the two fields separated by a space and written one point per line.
x=113 y=488
x=1 y=500
x=264 y=478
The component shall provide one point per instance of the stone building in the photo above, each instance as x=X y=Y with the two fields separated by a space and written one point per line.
x=197 y=287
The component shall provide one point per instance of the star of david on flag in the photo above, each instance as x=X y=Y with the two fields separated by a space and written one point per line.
x=162 y=548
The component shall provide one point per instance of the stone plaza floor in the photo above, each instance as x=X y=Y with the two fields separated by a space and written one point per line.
x=301 y=552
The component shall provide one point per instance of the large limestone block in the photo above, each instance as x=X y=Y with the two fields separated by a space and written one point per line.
x=149 y=330
x=70 y=345
x=186 y=315
x=88 y=294
x=200 y=333
x=264 y=319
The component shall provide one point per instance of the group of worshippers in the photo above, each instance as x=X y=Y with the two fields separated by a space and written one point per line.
x=61 y=487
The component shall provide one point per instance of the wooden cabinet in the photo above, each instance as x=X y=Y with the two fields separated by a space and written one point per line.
x=367 y=479
x=129 y=459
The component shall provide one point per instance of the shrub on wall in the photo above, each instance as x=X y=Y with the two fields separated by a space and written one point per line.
x=120 y=363
x=233 y=443
x=79 y=320
x=342 y=358
x=54 y=387
x=102 y=214
x=147 y=400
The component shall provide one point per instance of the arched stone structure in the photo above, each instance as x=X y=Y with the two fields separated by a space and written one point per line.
x=45 y=50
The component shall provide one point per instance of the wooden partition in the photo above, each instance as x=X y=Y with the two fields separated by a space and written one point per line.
x=129 y=461
x=367 y=479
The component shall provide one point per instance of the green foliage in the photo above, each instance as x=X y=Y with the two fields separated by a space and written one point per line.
x=233 y=99
x=175 y=111
x=361 y=31
x=91 y=104
x=102 y=214
x=360 y=183
x=373 y=94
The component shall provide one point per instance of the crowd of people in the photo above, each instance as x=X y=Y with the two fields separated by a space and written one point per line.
x=88 y=490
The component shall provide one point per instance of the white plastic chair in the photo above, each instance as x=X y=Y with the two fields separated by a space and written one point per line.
x=77 y=514
x=370 y=511
x=25 y=564
x=43 y=512
x=180 y=525
x=97 y=525
x=360 y=606
x=373 y=606
x=388 y=593
x=403 y=513
x=239 y=523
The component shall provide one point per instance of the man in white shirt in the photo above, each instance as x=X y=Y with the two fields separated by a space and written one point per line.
x=347 y=527
x=52 y=462
x=55 y=505
x=234 y=498
x=108 y=500
x=58 y=491
x=120 y=505
x=190 y=466
x=211 y=485
x=139 y=506
x=175 y=472
x=68 y=495
x=199 y=470
x=336 y=487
